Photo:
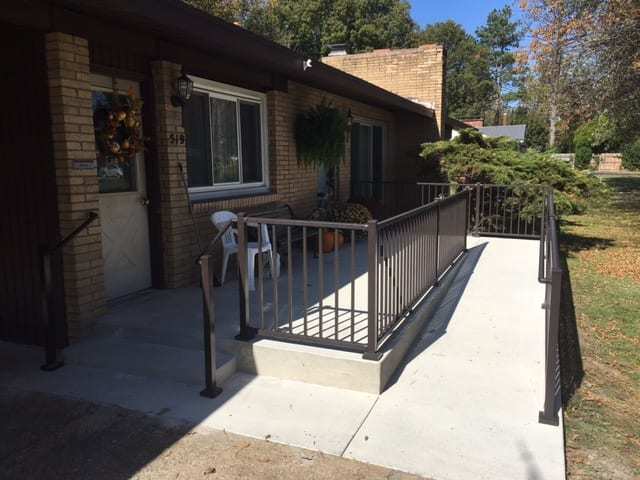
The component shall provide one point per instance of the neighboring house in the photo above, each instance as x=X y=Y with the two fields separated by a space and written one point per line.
x=515 y=132
x=453 y=128
x=64 y=63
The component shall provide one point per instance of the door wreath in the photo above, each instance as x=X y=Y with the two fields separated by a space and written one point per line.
x=118 y=129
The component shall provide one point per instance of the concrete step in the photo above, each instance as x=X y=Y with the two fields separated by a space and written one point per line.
x=153 y=360
x=342 y=369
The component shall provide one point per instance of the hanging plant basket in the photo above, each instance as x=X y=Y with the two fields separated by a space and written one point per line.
x=119 y=132
x=320 y=136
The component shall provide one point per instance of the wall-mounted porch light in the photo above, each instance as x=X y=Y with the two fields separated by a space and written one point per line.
x=184 y=88
x=349 y=118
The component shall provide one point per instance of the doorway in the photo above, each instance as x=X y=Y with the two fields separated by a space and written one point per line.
x=367 y=157
x=122 y=198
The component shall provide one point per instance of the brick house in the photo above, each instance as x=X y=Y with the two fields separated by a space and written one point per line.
x=67 y=59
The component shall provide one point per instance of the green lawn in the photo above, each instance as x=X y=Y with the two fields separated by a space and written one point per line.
x=602 y=418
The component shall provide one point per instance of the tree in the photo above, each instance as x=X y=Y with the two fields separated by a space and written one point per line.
x=469 y=87
x=500 y=36
x=310 y=26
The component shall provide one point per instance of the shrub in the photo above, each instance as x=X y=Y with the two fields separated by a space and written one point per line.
x=631 y=155
x=582 y=145
x=469 y=163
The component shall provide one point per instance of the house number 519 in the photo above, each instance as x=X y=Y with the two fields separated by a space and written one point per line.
x=177 y=139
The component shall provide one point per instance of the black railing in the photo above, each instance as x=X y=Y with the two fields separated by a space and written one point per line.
x=205 y=261
x=498 y=210
x=53 y=357
x=550 y=273
x=350 y=296
x=415 y=250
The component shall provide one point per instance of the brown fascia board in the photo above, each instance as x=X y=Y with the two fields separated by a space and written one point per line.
x=175 y=21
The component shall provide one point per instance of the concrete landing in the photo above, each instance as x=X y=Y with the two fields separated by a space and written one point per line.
x=462 y=406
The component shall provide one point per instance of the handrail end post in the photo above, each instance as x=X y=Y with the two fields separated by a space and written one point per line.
x=549 y=418
x=211 y=389
x=372 y=256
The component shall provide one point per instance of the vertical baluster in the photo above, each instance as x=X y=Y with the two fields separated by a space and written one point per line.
x=274 y=279
x=353 y=283
x=336 y=273
x=305 y=283
x=320 y=282
x=260 y=276
x=290 y=279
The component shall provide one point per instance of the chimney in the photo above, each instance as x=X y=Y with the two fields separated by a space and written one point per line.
x=417 y=74
x=337 y=49
x=474 y=122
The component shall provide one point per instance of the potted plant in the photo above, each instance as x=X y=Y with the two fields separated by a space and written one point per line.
x=340 y=213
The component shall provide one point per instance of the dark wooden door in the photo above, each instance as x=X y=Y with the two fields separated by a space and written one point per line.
x=28 y=213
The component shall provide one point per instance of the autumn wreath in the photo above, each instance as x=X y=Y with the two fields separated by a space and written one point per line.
x=119 y=132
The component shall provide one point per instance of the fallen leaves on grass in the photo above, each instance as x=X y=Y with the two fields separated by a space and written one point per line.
x=615 y=262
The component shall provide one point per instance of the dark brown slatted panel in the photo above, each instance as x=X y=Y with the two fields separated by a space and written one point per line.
x=28 y=214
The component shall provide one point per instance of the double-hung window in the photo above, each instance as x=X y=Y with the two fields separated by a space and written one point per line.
x=226 y=138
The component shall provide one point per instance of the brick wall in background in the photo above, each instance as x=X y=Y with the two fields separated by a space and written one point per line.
x=415 y=73
x=74 y=142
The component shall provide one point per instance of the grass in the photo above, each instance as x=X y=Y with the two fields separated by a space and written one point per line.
x=602 y=417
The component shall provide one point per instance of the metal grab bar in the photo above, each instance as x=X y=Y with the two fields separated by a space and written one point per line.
x=53 y=358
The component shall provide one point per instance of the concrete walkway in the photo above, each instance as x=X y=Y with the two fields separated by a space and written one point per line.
x=464 y=404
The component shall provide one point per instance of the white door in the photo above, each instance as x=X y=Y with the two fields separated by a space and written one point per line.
x=122 y=199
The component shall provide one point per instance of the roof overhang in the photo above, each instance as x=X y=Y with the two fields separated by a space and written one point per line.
x=174 y=21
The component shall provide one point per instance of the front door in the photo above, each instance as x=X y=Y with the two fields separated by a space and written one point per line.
x=122 y=193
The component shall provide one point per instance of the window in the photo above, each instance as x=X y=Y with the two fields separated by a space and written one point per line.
x=226 y=137
x=367 y=156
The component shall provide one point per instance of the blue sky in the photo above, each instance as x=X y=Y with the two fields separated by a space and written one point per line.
x=469 y=13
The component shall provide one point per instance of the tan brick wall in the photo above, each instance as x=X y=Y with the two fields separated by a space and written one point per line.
x=73 y=141
x=178 y=240
x=414 y=73
x=290 y=182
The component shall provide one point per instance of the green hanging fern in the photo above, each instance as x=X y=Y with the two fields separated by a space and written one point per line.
x=320 y=136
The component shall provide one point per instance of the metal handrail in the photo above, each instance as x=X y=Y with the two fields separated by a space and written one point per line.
x=204 y=260
x=421 y=209
x=53 y=357
x=551 y=274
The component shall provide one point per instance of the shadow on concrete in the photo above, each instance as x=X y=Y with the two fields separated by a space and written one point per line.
x=443 y=309
x=532 y=468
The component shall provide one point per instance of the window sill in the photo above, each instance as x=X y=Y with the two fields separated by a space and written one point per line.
x=214 y=195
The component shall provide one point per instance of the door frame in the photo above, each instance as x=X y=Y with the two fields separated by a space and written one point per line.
x=103 y=80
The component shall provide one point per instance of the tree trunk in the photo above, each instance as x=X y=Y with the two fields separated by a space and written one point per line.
x=553 y=118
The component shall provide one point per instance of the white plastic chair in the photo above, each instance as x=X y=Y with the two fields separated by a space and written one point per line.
x=230 y=245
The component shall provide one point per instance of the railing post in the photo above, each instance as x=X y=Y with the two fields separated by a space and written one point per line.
x=246 y=332
x=211 y=389
x=437 y=255
x=549 y=415
x=476 y=228
x=372 y=291
x=467 y=212
x=53 y=357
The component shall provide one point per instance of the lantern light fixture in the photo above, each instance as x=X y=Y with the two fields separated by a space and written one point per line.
x=184 y=89
x=349 y=118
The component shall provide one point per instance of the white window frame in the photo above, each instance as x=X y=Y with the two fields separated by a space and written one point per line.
x=237 y=94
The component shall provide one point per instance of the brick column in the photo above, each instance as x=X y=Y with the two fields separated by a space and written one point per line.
x=178 y=244
x=73 y=144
